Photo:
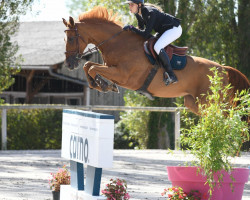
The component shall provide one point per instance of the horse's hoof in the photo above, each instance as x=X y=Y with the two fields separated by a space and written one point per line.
x=114 y=88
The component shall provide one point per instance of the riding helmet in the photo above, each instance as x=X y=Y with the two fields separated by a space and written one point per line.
x=135 y=1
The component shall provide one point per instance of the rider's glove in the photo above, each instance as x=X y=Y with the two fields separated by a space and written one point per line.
x=128 y=27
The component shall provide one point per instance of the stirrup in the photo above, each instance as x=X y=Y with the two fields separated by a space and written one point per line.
x=167 y=79
x=146 y=94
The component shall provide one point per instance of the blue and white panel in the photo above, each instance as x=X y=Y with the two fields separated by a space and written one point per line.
x=87 y=137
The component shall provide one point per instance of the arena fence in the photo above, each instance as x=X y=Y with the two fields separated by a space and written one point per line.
x=175 y=110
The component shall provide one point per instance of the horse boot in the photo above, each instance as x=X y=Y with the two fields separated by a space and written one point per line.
x=104 y=85
x=101 y=83
x=168 y=76
x=113 y=87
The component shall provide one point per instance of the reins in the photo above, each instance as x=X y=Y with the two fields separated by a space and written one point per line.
x=81 y=55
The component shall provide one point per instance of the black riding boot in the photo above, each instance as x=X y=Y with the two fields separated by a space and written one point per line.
x=168 y=76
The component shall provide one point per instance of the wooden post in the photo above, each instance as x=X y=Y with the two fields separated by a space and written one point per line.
x=177 y=129
x=4 y=129
x=29 y=86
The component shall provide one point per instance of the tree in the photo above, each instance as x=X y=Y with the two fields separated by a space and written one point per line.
x=220 y=32
x=79 y=6
x=243 y=34
x=10 y=11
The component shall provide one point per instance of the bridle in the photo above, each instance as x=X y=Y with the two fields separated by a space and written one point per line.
x=77 y=51
x=80 y=55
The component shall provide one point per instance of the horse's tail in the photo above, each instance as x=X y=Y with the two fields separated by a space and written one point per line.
x=239 y=82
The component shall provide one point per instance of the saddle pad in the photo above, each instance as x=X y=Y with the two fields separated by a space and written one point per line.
x=177 y=62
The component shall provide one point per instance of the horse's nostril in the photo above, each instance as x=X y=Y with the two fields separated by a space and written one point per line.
x=70 y=62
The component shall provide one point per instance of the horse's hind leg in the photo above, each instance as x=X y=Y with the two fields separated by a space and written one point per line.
x=189 y=102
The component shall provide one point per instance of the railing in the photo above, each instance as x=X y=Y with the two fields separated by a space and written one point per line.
x=175 y=110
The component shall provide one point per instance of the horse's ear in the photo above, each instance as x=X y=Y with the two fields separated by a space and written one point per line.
x=65 y=22
x=71 y=22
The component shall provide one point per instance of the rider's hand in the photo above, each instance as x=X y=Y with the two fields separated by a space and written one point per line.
x=127 y=27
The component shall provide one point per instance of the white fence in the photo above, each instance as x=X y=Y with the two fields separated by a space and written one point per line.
x=175 y=110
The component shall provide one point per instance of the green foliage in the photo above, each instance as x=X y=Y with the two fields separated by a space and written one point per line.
x=148 y=129
x=34 y=129
x=79 y=6
x=122 y=138
x=214 y=33
x=136 y=121
x=160 y=126
x=243 y=32
x=42 y=129
x=220 y=130
x=9 y=62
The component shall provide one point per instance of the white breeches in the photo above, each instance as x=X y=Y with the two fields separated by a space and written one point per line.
x=167 y=37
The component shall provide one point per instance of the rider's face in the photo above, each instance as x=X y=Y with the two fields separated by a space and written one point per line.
x=133 y=7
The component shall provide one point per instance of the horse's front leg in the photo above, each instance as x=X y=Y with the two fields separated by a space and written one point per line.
x=110 y=73
x=91 y=81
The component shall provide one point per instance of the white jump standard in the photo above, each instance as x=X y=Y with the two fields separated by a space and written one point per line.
x=87 y=138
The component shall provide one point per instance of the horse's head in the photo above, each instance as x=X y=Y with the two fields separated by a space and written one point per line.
x=75 y=44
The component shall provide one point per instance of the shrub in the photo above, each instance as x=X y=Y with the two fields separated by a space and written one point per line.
x=34 y=129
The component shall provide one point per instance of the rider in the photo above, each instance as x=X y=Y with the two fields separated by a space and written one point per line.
x=168 y=29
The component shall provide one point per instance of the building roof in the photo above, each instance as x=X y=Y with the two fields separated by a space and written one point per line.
x=41 y=43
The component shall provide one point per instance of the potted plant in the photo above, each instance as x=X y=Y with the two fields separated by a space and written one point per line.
x=214 y=140
x=61 y=177
x=116 y=190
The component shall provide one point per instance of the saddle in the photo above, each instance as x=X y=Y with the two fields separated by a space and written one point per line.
x=170 y=49
x=177 y=57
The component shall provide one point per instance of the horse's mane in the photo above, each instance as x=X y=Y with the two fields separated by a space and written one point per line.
x=100 y=13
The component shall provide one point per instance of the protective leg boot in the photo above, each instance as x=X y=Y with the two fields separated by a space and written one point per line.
x=168 y=76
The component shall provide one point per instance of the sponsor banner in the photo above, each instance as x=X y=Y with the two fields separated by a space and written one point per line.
x=87 y=138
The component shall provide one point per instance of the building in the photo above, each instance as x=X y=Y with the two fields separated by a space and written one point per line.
x=43 y=77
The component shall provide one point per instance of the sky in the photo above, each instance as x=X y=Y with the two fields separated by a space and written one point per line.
x=47 y=10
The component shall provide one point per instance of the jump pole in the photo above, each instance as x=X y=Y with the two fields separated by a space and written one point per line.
x=87 y=139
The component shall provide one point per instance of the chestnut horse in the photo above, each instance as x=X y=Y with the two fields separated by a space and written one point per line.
x=126 y=65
